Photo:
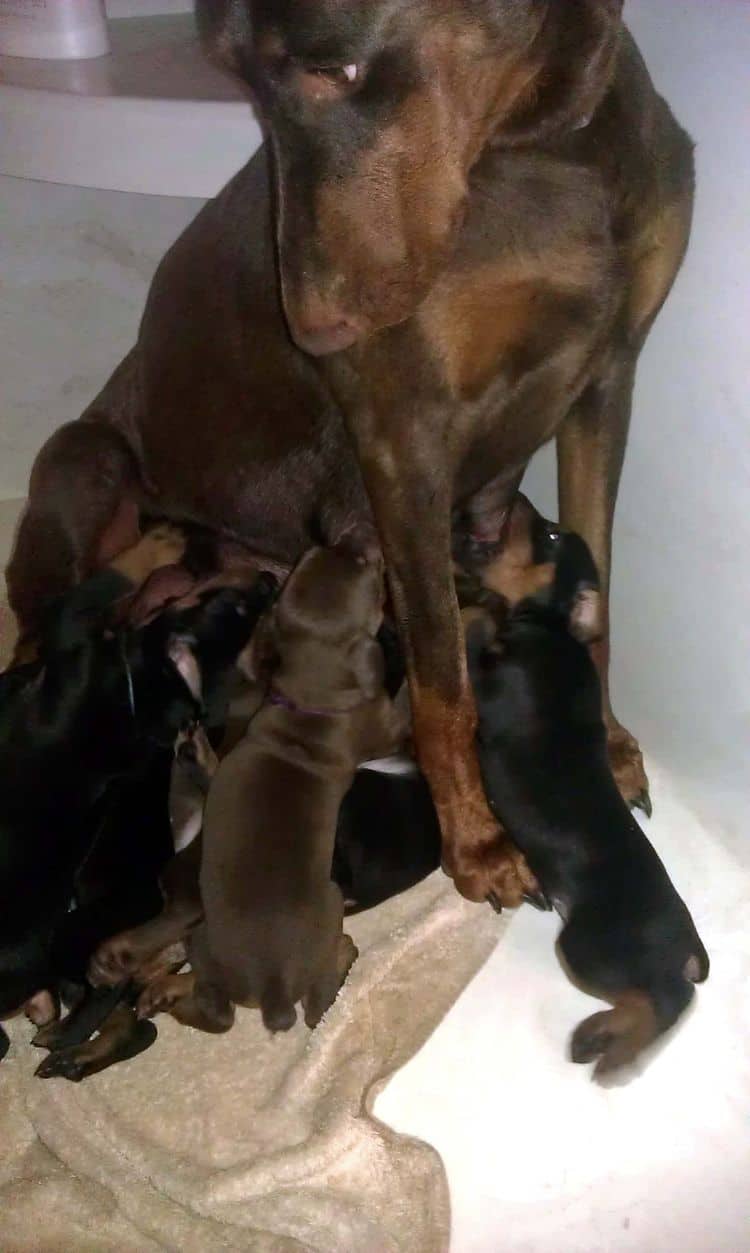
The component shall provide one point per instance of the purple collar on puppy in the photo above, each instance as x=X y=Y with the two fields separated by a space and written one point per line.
x=283 y=702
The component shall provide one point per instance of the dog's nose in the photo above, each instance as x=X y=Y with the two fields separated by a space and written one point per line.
x=320 y=338
x=319 y=321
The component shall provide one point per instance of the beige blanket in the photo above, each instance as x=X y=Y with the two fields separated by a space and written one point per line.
x=245 y=1141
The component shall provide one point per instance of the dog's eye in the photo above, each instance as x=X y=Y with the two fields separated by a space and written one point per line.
x=341 y=76
x=553 y=534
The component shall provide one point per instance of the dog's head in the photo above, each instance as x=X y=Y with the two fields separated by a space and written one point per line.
x=377 y=112
x=544 y=566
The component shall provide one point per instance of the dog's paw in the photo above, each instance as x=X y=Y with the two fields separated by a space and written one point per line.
x=492 y=870
x=626 y=761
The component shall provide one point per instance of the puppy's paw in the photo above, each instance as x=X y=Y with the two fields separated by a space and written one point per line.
x=162 y=994
x=42 y=1009
x=82 y=1060
x=163 y=545
x=626 y=761
x=115 y=961
x=615 y=1036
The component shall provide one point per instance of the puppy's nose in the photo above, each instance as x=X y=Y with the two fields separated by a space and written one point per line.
x=187 y=751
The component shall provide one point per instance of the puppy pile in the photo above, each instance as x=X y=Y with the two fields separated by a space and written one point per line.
x=188 y=807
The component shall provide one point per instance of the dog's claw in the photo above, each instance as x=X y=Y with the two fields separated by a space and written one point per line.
x=643 y=801
x=539 y=900
x=494 y=900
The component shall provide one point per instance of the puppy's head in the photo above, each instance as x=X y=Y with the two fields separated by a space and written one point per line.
x=320 y=635
x=159 y=677
x=543 y=566
x=24 y=966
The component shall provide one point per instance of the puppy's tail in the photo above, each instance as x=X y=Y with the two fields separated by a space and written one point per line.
x=277 y=1006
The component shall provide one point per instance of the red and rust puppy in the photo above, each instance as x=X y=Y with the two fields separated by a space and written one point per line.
x=479 y=208
x=627 y=936
x=272 y=934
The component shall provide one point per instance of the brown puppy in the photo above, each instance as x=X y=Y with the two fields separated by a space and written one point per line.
x=479 y=209
x=273 y=919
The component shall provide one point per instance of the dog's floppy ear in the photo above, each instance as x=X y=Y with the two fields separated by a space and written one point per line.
x=260 y=655
x=571 y=62
x=585 y=617
x=368 y=664
x=225 y=29
x=181 y=654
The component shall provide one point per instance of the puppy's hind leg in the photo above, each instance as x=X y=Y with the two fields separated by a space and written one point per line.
x=619 y=1035
x=121 y=1037
x=207 y=1007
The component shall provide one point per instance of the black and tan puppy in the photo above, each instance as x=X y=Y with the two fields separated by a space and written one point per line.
x=71 y=723
x=272 y=934
x=99 y=705
x=628 y=937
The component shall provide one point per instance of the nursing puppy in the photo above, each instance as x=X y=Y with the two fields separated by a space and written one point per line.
x=79 y=717
x=628 y=937
x=273 y=918
x=100 y=704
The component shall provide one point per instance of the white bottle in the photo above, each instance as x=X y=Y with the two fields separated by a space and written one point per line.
x=53 y=29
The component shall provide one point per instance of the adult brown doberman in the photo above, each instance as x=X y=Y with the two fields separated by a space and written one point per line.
x=478 y=208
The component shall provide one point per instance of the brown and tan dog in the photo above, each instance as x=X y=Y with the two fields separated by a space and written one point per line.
x=272 y=934
x=479 y=209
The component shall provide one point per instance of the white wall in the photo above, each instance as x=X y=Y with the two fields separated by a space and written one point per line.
x=75 y=267
x=681 y=595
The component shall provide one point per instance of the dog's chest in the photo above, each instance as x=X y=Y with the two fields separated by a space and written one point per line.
x=513 y=324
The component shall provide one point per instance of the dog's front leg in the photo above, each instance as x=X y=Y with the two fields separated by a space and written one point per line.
x=590 y=450
x=412 y=507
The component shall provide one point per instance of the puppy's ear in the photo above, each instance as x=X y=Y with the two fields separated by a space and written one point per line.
x=225 y=28
x=480 y=635
x=585 y=617
x=368 y=664
x=571 y=64
x=260 y=656
x=180 y=653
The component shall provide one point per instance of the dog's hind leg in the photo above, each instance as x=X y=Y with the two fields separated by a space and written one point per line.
x=83 y=508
